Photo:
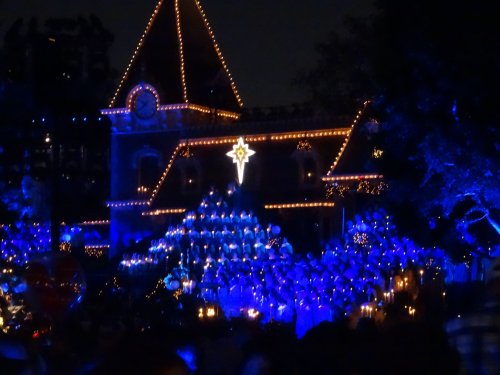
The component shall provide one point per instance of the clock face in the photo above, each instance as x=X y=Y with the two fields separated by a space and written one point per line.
x=145 y=104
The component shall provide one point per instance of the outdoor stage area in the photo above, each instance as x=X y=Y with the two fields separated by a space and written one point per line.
x=220 y=272
x=240 y=267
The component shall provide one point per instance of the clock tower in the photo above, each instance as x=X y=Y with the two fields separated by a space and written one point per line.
x=175 y=82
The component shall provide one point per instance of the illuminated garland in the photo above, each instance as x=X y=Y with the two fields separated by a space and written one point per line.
x=310 y=134
x=348 y=137
x=176 y=107
x=352 y=177
x=266 y=137
x=181 y=51
x=95 y=222
x=165 y=211
x=218 y=141
x=214 y=141
x=126 y=204
x=298 y=205
x=135 y=53
x=218 y=112
x=181 y=58
x=97 y=247
x=164 y=174
x=362 y=186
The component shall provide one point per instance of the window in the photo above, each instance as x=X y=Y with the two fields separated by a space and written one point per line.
x=149 y=171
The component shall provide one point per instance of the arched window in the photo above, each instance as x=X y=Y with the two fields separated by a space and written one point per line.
x=148 y=170
x=148 y=164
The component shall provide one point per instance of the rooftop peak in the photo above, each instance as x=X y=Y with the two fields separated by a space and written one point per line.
x=178 y=55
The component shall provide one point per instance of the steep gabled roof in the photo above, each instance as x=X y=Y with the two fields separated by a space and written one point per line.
x=274 y=165
x=355 y=152
x=354 y=161
x=179 y=56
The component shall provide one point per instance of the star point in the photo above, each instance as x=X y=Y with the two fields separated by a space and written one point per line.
x=240 y=155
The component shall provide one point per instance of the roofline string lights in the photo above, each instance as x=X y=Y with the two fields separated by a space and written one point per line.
x=266 y=137
x=280 y=206
x=164 y=174
x=352 y=177
x=220 y=141
x=94 y=222
x=136 y=52
x=218 y=112
x=277 y=137
x=126 y=204
x=97 y=246
x=181 y=51
x=176 y=107
x=348 y=137
x=164 y=211
x=219 y=53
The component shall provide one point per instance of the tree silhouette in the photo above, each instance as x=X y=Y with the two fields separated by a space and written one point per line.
x=431 y=71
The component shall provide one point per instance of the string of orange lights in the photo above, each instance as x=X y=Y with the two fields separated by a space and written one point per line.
x=164 y=211
x=126 y=203
x=275 y=137
x=181 y=51
x=348 y=137
x=176 y=107
x=164 y=174
x=136 y=52
x=219 y=53
x=352 y=177
x=281 y=206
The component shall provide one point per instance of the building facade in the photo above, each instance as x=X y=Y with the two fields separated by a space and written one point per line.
x=179 y=129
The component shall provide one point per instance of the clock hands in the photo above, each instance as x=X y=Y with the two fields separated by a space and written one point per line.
x=145 y=104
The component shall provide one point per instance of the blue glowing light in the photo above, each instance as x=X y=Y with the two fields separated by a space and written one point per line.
x=188 y=355
x=21 y=242
x=245 y=267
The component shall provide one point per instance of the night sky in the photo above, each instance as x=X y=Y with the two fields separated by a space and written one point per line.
x=264 y=41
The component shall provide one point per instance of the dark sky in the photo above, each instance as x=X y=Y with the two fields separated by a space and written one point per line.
x=265 y=42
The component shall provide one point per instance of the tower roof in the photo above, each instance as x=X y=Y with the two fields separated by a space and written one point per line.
x=178 y=55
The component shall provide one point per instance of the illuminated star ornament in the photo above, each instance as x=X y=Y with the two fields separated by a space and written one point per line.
x=240 y=155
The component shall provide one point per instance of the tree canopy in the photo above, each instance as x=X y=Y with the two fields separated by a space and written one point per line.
x=431 y=70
